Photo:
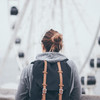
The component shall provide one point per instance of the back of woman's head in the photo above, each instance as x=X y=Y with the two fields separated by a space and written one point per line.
x=52 y=41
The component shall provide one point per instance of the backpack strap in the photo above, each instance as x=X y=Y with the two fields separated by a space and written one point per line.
x=61 y=81
x=44 y=90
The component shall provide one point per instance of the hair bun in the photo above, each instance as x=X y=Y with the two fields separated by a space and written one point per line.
x=57 y=38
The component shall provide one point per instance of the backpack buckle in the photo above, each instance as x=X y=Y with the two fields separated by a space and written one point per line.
x=60 y=91
x=44 y=91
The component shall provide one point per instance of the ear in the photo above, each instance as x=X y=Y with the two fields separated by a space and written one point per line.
x=43 y=48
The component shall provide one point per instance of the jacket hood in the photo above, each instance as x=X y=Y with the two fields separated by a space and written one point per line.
x=51 y=56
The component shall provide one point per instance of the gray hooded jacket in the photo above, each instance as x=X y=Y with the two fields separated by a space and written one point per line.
x=26 y=77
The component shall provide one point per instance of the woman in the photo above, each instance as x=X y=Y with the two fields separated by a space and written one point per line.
x=51 y=74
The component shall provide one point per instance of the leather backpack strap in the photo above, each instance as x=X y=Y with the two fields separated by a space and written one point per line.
x=44 y=90
x=61 y=81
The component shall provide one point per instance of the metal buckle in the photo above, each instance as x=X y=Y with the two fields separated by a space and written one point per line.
x=60 y=91
x=44 y=91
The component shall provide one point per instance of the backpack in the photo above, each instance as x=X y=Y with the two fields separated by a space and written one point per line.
x=51 y=81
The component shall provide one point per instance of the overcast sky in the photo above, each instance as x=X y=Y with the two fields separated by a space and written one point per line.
x=89 y=8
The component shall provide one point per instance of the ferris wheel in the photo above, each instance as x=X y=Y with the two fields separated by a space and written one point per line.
x=26 y=18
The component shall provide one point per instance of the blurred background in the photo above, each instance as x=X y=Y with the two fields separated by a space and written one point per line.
x=23 y=24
